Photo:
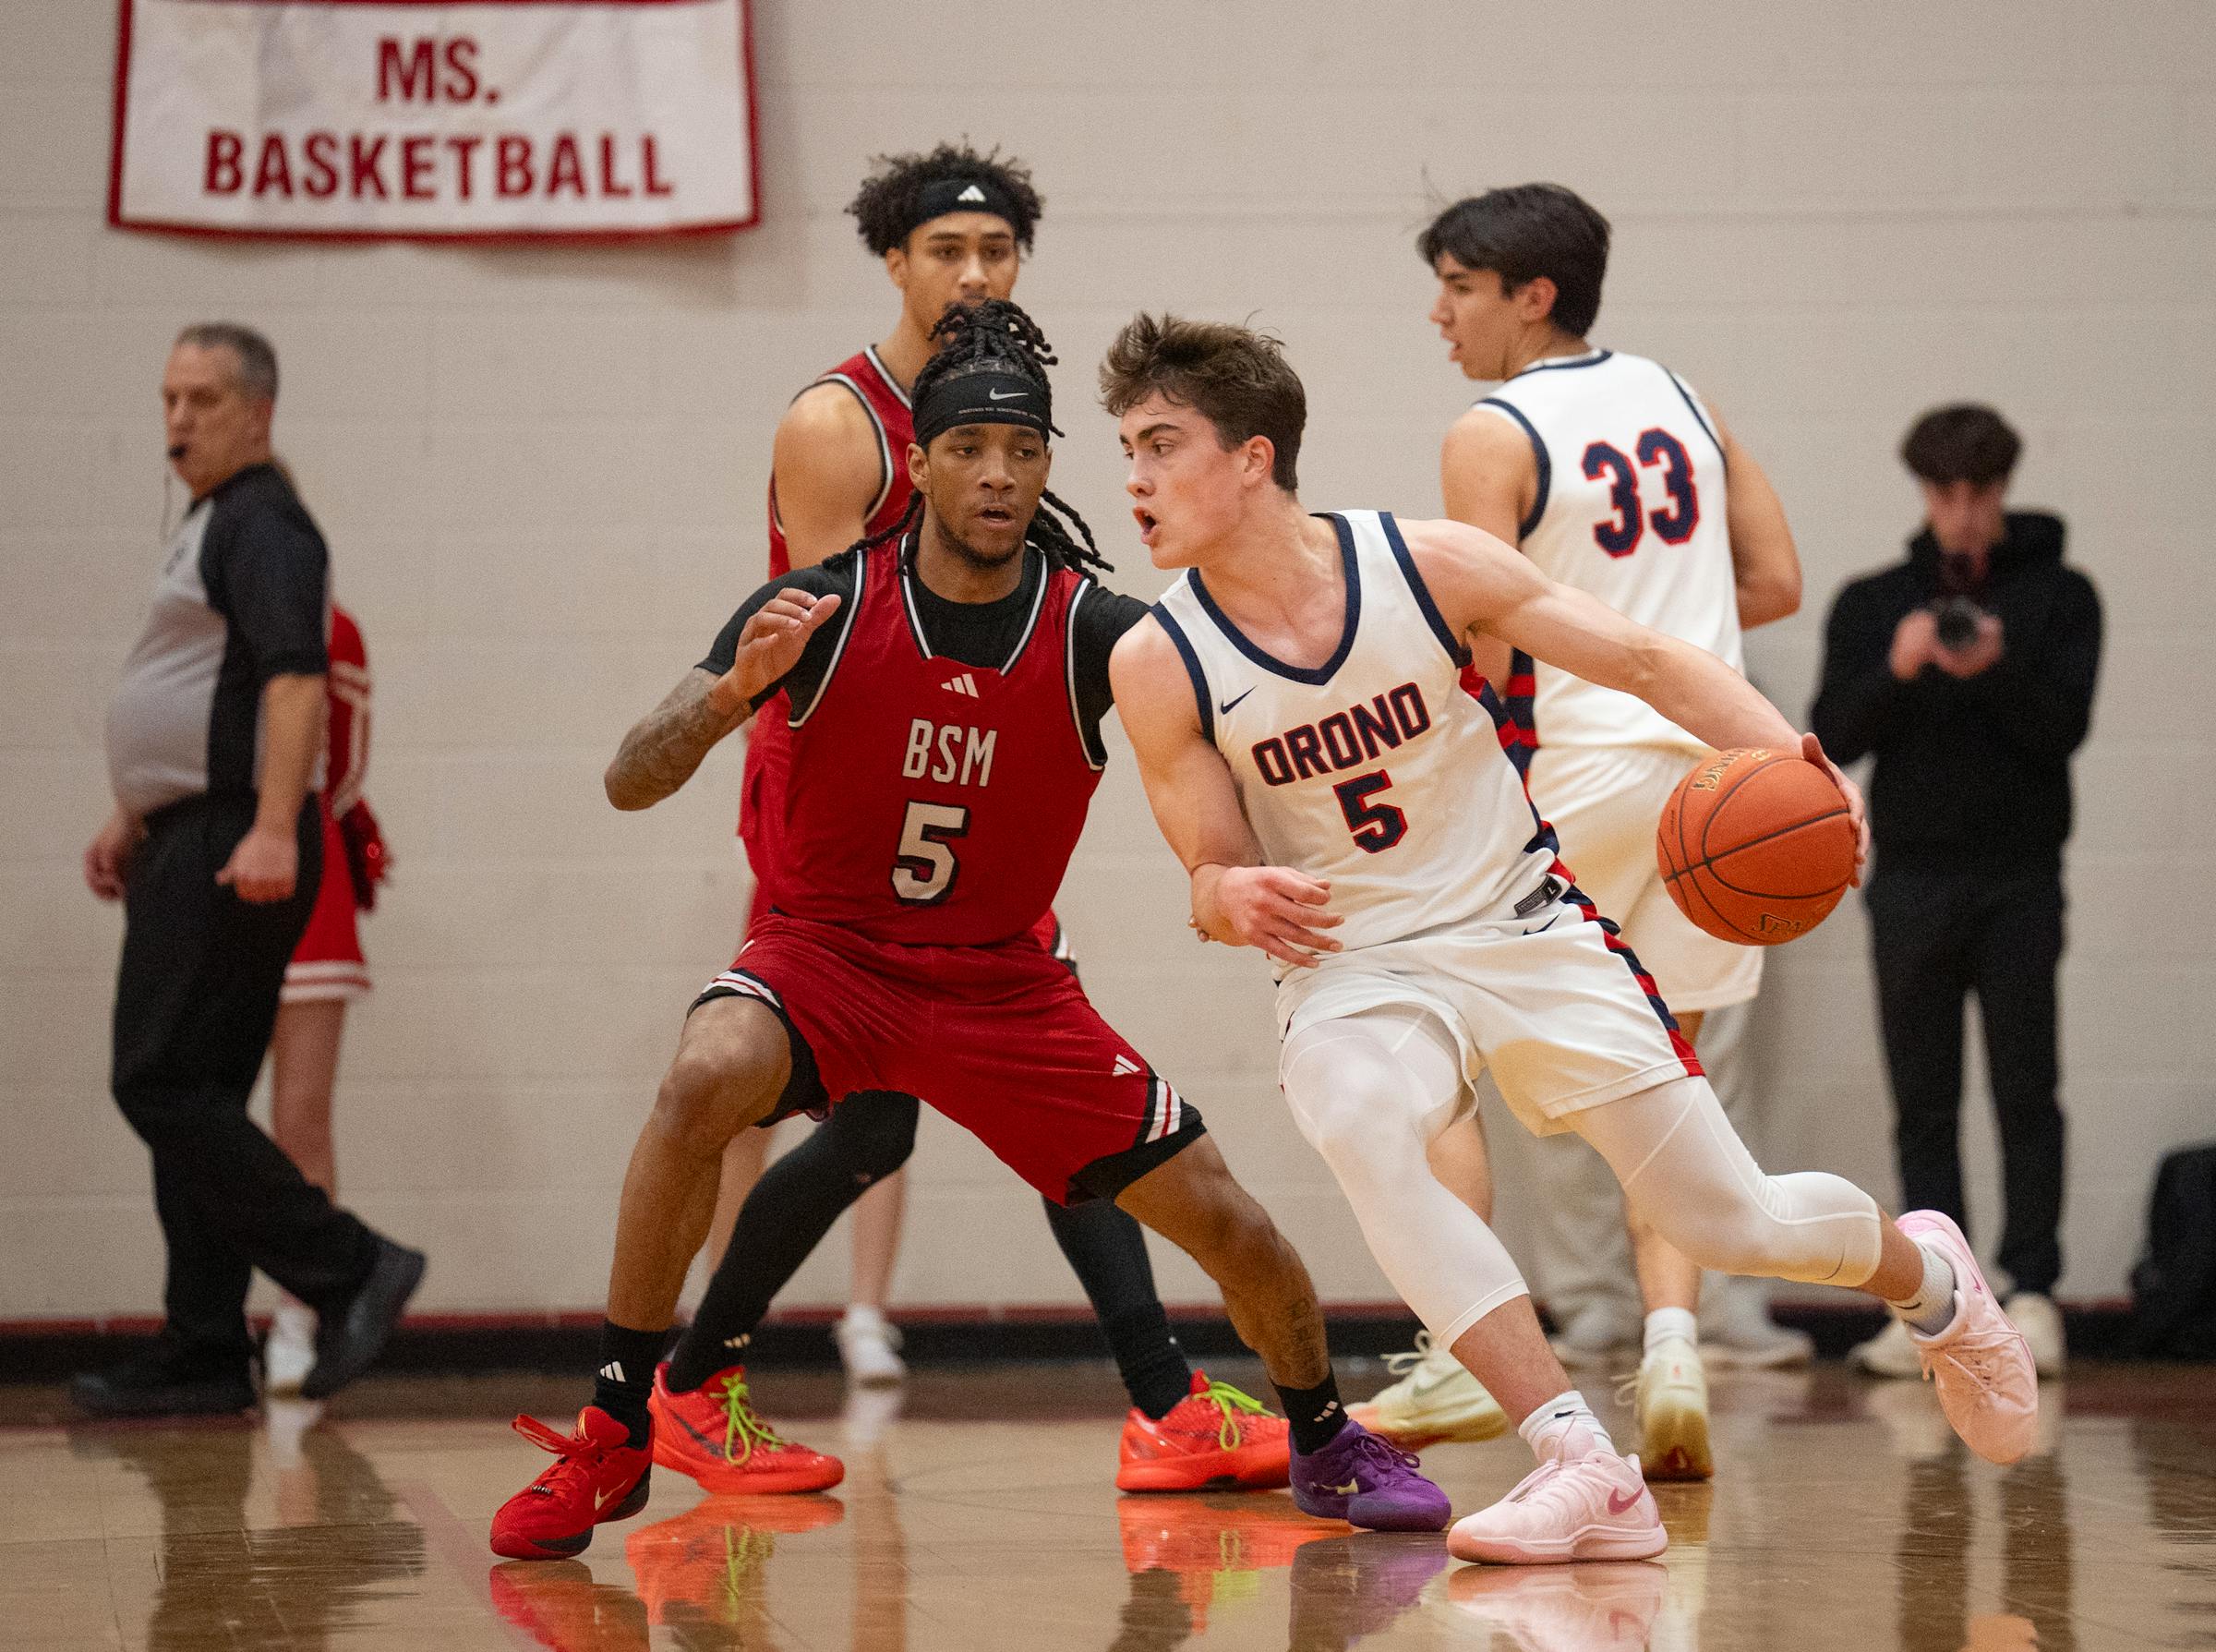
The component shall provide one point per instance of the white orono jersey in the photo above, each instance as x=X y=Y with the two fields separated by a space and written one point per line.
x=1630 y=508
x=1378 y=771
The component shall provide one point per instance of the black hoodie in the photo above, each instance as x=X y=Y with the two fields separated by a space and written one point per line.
x=1976 y=771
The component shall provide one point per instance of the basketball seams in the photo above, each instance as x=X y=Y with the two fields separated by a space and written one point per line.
x=1685 y=880
x=1723 y=792
x=1716 y=866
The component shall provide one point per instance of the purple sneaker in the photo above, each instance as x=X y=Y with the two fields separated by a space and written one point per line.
x=1362 y=1480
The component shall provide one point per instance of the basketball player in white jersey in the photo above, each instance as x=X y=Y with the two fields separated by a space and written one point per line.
x=1296 y=707
x=1611 y=475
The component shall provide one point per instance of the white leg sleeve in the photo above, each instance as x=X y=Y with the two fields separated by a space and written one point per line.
x=1685 y=1169
x=1370 y=1091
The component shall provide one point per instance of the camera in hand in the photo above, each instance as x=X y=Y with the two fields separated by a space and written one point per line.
x=1957 y=620
x=1956 y=610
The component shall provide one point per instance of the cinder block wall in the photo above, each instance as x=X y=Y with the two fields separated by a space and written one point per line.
x=542 y=473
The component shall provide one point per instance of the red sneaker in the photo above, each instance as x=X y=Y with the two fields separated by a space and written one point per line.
x=596 y=1476
x=1214 y=1436
x=713 y=1435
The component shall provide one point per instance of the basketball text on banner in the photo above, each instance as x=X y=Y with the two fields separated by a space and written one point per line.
x=396 y=118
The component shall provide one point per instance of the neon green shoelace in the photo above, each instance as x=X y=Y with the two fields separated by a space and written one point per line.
x=743 y=1430
x=1229 y=1400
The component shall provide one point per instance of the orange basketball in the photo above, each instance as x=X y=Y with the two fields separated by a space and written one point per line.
x=1756 y=846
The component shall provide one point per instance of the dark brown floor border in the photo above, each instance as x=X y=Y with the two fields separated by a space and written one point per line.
x=48 y=1350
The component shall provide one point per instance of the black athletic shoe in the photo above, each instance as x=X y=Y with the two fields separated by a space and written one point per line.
x=349 y=1339
x=163 y=1385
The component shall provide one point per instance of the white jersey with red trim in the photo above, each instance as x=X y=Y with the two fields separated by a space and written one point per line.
x=1376 y=771
x=1630 y=508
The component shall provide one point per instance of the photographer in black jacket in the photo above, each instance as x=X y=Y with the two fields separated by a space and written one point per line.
x=1967 y=672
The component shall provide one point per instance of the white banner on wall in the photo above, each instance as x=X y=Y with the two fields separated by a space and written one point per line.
x=409 y=119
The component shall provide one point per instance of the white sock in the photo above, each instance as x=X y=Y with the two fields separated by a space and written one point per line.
x=1932 y=1308
x=1664 y=1323
x=1552 y=1431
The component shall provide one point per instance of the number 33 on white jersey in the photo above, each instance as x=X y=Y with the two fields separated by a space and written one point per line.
x=1376 y=771
x=1630 y=508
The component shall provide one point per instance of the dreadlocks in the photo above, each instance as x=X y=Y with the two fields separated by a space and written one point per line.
x=898 y=195
x=997 y=338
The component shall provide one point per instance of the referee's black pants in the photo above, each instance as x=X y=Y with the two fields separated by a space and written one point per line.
x=196 y=1001
x=1938 y=933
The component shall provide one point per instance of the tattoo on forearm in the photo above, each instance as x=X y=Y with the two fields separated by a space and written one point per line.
x=663 y=749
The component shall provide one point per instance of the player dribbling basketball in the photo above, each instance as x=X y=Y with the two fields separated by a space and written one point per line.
x=1611 y=475
x=1297 y=708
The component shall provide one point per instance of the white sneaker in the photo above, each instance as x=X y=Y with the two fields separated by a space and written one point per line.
x=1980 y=1364
x=1594 y=1335
x=1435 y=1399
x=289 y=1354
x=2040 y=1321
x=868 y=1347
x=1888 y=1354
x=1670 y=1401
x=1596 y=1507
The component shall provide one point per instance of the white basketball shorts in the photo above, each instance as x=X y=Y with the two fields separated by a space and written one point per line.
x=1603 y=804
x=1551 y=1003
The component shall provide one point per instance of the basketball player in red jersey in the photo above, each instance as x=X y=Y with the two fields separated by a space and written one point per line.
x=951 y=226
x=935 y=796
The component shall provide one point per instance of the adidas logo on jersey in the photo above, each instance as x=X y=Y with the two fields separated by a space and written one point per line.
x=972 y=193
x=1124 y=1064
x=963 y=684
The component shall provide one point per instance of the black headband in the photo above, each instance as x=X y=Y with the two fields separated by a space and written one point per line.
x=986 y=396
x=942 y=196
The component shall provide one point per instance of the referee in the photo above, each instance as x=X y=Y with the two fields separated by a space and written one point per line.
x=214 y=745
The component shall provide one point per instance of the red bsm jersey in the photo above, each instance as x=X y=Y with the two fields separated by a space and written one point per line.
x=768 y=752
x=928 y=802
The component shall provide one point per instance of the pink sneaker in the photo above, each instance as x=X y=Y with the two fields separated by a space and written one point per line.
x=1988 y=1386
x=1596 y=1507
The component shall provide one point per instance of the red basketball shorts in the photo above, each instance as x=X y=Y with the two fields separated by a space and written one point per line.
x=328 y=963
x=1000 y=1038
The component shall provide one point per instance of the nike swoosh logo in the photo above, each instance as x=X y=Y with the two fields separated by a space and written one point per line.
x=1349 y=1490
x=1621 y=1500
x=600 y=1499
x=993 y=395
x=1224 y=709
x=1545 y=926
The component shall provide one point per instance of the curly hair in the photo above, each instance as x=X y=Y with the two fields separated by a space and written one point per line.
x=884 y=207
x=999 y=336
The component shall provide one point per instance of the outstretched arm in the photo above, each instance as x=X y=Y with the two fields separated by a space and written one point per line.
x=666 y=746
x=1482 y=585
x=1235 y=899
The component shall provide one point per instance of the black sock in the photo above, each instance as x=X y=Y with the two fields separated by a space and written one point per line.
x=626 y=1375
x=867 y=1137
x=1152 y=1366
x=1315 y=1413
x=1107 y=1251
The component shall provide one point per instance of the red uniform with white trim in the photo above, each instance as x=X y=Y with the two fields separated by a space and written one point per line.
x=769 y=749
x=328 y=963
x=928 y=815
x=769 y=744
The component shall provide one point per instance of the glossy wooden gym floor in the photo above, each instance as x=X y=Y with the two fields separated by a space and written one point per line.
x=977 y=1513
